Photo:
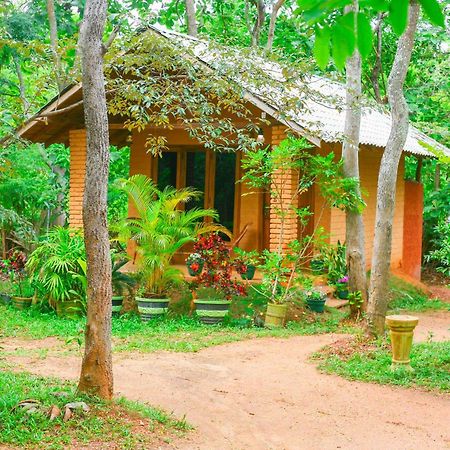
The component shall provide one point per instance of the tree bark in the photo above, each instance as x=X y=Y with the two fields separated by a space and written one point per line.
x=273 y=20
x=191 y=18
x=54 y=43
x=96 y=371
x=387 y=177
x=354 y=225
x=22 y=87
x=255 y=31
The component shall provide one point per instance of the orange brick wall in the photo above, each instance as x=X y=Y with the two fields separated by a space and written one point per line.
x=77 y=142
x=370 y=159
x=286 y=183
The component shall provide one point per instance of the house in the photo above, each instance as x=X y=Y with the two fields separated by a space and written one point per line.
x=188 y=163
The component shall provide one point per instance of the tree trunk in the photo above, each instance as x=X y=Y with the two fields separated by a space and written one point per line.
x=273 y=20
x=260 y=16
x=387 y=177
x=54 y=44
x=354 y=225
x=191 y=18
x=437 y=177
x=96 y=371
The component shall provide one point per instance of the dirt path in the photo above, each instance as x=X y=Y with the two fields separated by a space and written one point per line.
x=264 y=394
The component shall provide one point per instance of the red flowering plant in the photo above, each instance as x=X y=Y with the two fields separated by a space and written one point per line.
x=217 y=266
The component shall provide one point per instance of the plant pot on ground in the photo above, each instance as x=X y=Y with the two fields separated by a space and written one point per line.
x=341 y=290
x=315 y=300
x=122 y=283
x=22 y=290
x=275 y=315
x=211 y=305
x=70 y=308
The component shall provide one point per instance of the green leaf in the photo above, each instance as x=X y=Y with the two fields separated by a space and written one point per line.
x=364 y=36
x=322 y=47
x=377 y=5
x=343 y=39
x=398 y=15
x=433 y=11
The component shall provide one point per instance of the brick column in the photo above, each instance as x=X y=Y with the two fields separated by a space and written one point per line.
x=285 y=183
x=77 y=142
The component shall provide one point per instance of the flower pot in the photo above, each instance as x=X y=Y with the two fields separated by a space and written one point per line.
x=316 y=305
x=150 y=308
x=21 y=302
x=211 y=311
x=250 y=273
x=195 y=269
x=317 y=266
x=402 y=330
x=5 y=299
x=69 y=308
x=341 y=293
x=275 y=315
x=117 y=301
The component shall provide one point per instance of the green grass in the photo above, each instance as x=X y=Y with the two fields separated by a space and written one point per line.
x=183 y=334
x=372 y=363
x=127 y=424
x=404 y=296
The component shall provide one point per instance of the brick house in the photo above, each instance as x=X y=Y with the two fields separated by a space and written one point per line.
x=188 y=163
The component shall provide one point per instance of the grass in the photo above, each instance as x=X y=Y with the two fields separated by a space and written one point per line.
x=405 y=296
x=371 y=362
x=184 y=334
x=120 y=424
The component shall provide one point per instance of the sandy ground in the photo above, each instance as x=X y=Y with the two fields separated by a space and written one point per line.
x=264 y=394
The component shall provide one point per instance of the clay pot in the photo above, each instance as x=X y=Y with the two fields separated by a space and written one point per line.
x=275 y=315
x=402 y=330
x=21 y=302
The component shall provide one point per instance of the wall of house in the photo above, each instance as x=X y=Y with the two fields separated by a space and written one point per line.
x=77 y=142
x=370 y=159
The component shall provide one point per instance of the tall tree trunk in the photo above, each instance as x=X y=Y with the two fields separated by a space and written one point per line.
x=96 y=371
x=354 y=225
x=191 y=18
x=255 y=31
x=387 y=177
x=273 y=20
x=54 y=43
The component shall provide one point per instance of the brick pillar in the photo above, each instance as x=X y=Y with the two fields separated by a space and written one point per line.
x=285 y=182
x=412 y=229
x=77 y=142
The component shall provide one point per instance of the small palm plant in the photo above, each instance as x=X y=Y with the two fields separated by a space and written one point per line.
x=162 y=227
x=58 y=267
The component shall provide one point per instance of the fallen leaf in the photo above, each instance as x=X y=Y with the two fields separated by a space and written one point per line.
x=78 y=405
x=54 y=412
x=67 y=414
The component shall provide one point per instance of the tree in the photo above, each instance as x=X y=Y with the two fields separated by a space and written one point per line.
x=354 y=225
x=191 y=19
x=273 y=18
x=96 y=371
x=54 y=43
x=387 y=177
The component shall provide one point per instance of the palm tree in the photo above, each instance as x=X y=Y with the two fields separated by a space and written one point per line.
x=161 y=229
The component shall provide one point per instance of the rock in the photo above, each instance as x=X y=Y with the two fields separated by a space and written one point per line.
x=77 y=405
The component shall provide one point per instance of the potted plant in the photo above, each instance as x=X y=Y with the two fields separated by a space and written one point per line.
x=22 y=290
x=317 y=265
x=341 y=290
x=122 y=283
x=5 y=291
x=194 y=264
x=315 y=300
x=58 y=268
x=245 y=263
x=211 y=305
x=161 y=229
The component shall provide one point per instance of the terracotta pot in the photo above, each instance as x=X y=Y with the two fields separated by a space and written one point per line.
x=402 y=330
x=151 y=308
x=211 y=312
x=275 y=315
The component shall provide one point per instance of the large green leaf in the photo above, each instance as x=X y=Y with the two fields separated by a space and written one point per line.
x=398 y=15
x=364 y=35
x=434 y=12
x=343 y=39
x=322 y=47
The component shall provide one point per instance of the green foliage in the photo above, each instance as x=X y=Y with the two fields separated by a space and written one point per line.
x=161 y=229
x=406 y=297
x=441 y=255
x=122 y=283
x=105 y=423
x=58 y=266
x=209 y=293
x=431 y=363
x=335 y=262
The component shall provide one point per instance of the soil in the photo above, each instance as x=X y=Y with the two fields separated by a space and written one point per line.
x=265 y=394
